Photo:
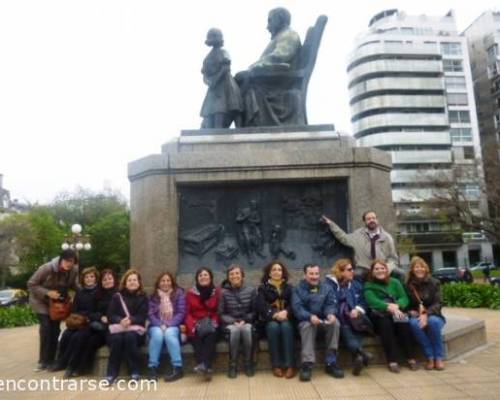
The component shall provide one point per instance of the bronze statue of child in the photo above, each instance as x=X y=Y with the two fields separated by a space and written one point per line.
x=223 y=103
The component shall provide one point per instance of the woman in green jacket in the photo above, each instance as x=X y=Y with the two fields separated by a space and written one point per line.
x=387 y=300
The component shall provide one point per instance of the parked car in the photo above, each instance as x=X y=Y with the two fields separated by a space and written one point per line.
x=453 y=274
x=481 y=266
x=11 y=297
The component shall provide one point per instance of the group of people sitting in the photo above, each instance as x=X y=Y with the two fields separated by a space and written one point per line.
x=336 y=308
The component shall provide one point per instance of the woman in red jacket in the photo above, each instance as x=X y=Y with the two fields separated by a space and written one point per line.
x=202 y=321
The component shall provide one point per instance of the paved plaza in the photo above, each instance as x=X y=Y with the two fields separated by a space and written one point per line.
x=474 y=376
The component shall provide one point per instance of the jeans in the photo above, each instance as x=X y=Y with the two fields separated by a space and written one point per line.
x=171 y=337
x=280 y=343
x=49 y=333
x=430 y=338
x=352 y=339
x=238 y=334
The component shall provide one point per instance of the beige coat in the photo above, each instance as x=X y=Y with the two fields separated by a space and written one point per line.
x=360 y=243
x=46 y=278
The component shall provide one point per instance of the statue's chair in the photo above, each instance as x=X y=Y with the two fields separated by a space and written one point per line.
x=296 y=80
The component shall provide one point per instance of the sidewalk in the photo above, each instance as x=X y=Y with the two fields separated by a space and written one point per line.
x=477 y=376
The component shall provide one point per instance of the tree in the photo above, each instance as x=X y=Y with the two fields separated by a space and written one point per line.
x=110 y=241
x=459 y=199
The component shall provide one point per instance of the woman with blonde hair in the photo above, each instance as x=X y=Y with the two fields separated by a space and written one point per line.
x=351 y=311
x=388 y=302
x=426 y=319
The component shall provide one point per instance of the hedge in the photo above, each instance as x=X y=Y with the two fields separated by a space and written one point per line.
x=471 y=295
x=17 y=316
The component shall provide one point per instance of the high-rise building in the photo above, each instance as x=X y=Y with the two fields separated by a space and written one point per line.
x=483 y=37
x=411 y=94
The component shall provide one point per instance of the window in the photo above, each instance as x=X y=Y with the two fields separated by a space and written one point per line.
x=471 y=190
x=457 y=99
x=459 y=117
x=451 y=49
x=461 y=135
x=468 y=152
x=453 y=65
x=493 y=51
x=408 y=31
x=454 y=82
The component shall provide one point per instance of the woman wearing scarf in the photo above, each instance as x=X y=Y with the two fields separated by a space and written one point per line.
x=351 y=313
x=426 y=320
x=274 y=309
x=167 y=309
x=202 y=320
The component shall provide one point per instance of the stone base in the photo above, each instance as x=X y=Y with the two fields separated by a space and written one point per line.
x=461 y=335
x=245 y=158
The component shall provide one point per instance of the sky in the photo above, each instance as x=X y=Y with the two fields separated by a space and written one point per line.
x=88 y=86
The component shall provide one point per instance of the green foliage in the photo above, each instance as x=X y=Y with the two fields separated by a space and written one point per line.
x=17 y=316
x=471 y=295
x=37 y=235
x=110 y=241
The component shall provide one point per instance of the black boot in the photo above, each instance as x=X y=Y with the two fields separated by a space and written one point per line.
x=232 y=371
x=177 y=373
x=305 y=372
x=249 y=369
x=152 y=374
x=357 y=364
x=367 y=357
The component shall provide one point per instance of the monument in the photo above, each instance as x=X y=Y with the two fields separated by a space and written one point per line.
x=254 y=193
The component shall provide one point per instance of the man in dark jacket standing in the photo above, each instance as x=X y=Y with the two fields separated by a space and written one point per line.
x=314 y=306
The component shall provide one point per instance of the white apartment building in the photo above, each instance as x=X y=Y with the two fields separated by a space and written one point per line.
x=411 y=93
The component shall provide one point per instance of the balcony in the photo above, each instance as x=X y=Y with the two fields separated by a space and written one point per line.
x=399 y=66
x=420 y=175
x=399 y=120
x=373 y=49
x=396 y=83
x=421 y=156
x=435 y=239
x=391 y=101
x=415 y=195
x=404 y=138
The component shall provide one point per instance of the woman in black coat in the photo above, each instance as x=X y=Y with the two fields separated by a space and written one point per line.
x=125 y=344
x=71 y=343
x=95 y=336
x=273 y=304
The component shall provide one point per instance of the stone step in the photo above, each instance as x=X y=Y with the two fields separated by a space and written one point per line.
x=461 y=335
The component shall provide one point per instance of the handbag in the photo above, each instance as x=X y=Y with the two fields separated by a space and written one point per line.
x=98 y=326
x=76 y=321
x=59 y=310
x=362 y=324
x=204 y=327
x=119 y=328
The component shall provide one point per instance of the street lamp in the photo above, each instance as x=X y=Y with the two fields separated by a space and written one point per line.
x=76 y=241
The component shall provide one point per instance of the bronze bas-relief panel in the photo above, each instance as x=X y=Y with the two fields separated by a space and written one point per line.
x=252 y=224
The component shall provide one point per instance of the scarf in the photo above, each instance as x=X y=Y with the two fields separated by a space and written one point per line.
x=205 y=291
x=279 y=303
x=166 y=308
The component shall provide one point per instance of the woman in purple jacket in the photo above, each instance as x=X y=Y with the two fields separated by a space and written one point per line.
x=167 y=309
